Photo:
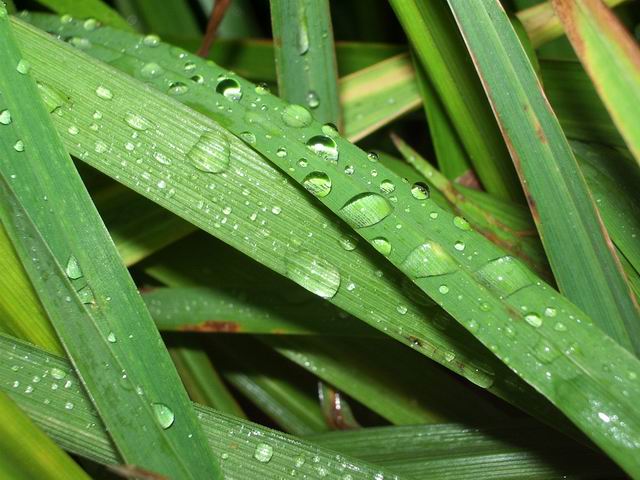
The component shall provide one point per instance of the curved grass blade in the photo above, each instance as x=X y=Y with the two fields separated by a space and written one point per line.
x=91 y=300
x=580 y=252
x=202 y=380
x=381 y=294
x=520 y=449
x=27 y=453
x=432 y=33
x=241 y=446
x=305 y=57
x=542 y=24
x=611 y=57
x=92 y=10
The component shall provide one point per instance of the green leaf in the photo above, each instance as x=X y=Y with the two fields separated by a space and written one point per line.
x=84 y=288
x=611 y=57
x=551 y=176
x=442 y=53
x=26 y=452
x=92 y=10
x=305 y=57
x=238 y=443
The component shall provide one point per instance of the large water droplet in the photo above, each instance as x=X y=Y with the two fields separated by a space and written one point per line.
x=211 y=153
x=57 y=373
x=324 y=146
x=151 y=70
x=178 y=88
x=137 y=122
x=230 y=88
x=163 y=414
x=313 y=273
x=151 y=40
x=318 y=183
x=420 y=190
x=296 y=116
x=505 y=275
x=382 y=245
x=366 y=209
x=303 y=37
x=73 y=270
x=533 y=319
x=427 y=260
x=5 y=117
x=461 y=223
x=23 y=67
x=103 y=92
x=263 y=452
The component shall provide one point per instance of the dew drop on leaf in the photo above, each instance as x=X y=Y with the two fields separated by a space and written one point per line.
x=296 y=116
x=5 y=117
x=103 y=92
x=163 y=414
x=387 y=186
x=72 y=269
x=137 y=122
x=263 y=452
x=211 y=153
x=313 y=273
x=324 y=146
x=461 y=223
x=318 y=183
x=427 y=260
x=420 y=191
x=23 y=67
x=366 y=209
x=382 y=245
x=151 y=40
x=178 y=88
x=533 y=319
x=312 y=99
x=229 y=88
x=151 y=70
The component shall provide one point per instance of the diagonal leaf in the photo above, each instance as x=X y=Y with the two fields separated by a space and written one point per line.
x=91 y=10
x=550 y=175
x=611 y=57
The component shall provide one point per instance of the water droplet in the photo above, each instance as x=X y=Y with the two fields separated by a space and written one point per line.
x=57 y=373
x=401 y=309
x=248 y=137
x=300 y=461
x=151 y=40
x=263 y=452
x=73 y=130
x=303 y=37
x=313 y=273
x=199 y=79
x=505 y=275
x=103 y=92
x=387 y=186
x=318 y=183
x=349 y=169
x=296 y=116
x=312 y=99
x=302 y=163
x=276 y=210
x=324 y=147
x=533 y=319
x=550 y=312
x=281 y=152
x=5 y=117
x=461 y=223
x=19 y=146
x=163 y=414
x=366 y=209
x=72 y=269
x=330 y=130
x=178 y=88
x=420 y=191
x=348 y=242
x=459 y=246
x=262 y=89
x=211 y=153
x=427 y=260
x=382 y=245
x=23 y=67
x=161 y=158
x=545 y=352
x=443 y=289
x=230 y=88
x=90 y=24
x=86 y=295
x=151 y=70
x=80 y=42
x=68 y=406
x=111 y=338
x=137 y=122
x=372 y=156
x=485 y=307
x=560 y=327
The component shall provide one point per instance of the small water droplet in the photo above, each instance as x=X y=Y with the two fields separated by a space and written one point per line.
x=5 y=117
x=19 y=146
x=248 y=137
x=300 y=461
x=560 y=327
x=550 y=312
x=230 y=88
x=312 y=99
x=23 y=67
x=533 y=319
x=281 y=152
x=69 y=406
x=111 y=338
x=263 y=452
x=163 y=414
x=330 y=130
x=443 y=289
x=57 y=373
x=296 y=116
x=151 y=40
x=366 y=209
x=178 y=88
x=372 y=156
x=459 y=246
x=72 y=269
x=151 y=70
x=348 y=242
x=303 y=37
x=262 y=89
x=401 y=309
x=318 y=183
x=461 y=223
x=313 y=273
x=382 y=245
x=73 y=130
x=545 y=352
x=420 y=191
x=86 y=295
x=387 y=186
x=276 y=210
x=211 y=153
x=324 y=146
x=103 y=92
x=137 y=122
x=90 y=24
x=161 y=158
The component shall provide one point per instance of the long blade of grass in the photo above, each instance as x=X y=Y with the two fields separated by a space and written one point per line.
x=381 y=295
x=91 y=302
x=520 y=449
x=611 y=57
x=175 y=19
x=305 y=57
x=550 y=175
x=543 y=25
x=441 y=51
x=67 y=416
x=91 y=10
x=26 y=452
